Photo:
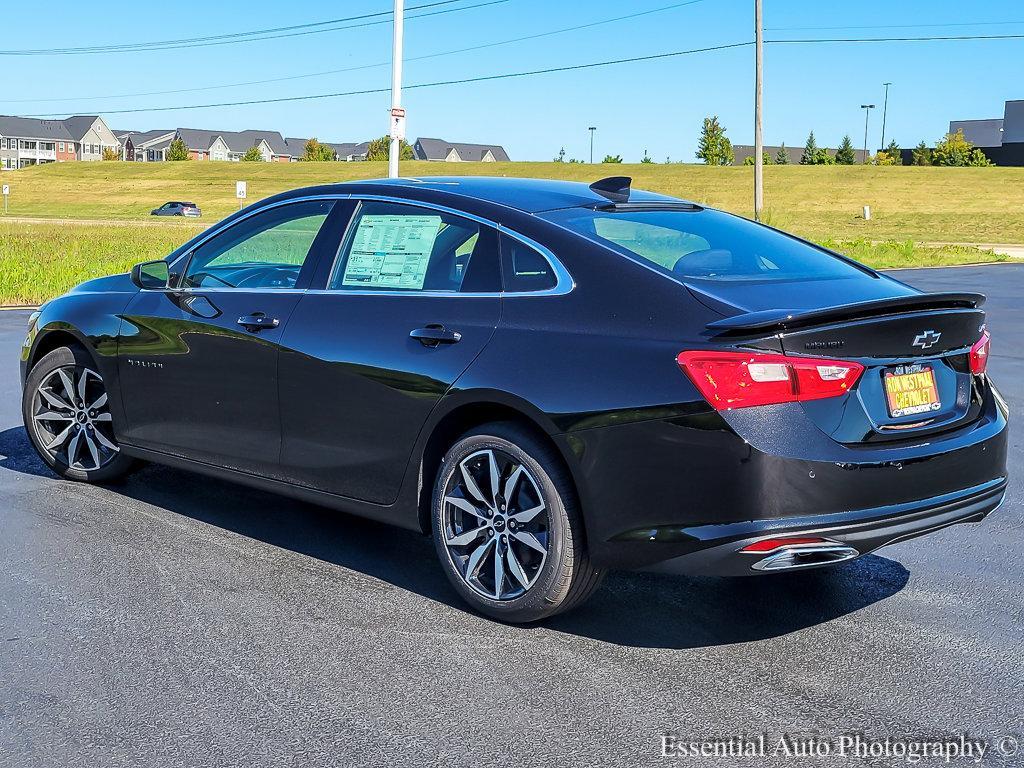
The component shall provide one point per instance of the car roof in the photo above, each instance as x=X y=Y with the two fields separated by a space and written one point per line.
x=524 y=194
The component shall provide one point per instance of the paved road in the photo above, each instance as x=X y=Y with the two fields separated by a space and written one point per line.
x=175 y=620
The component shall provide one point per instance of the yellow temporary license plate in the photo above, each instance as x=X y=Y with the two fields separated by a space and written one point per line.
x=911 y=389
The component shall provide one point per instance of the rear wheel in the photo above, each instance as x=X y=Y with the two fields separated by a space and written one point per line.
x=506 y=526
x=66 y=409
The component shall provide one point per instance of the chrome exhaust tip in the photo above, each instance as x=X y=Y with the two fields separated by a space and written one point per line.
x=788 y=558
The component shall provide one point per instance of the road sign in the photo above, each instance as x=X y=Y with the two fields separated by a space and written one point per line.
x=240 y=190
x=398 y=123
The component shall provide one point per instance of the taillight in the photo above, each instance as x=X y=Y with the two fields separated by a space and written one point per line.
x=979 y=353
x=770 y=545
x=744 y=379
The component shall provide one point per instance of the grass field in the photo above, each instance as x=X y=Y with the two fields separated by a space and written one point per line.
x=910 y=207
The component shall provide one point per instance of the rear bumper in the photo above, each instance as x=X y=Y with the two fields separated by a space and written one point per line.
x=690 y=491
x=857 y=533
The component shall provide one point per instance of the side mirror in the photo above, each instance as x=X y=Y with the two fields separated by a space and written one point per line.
x=152 y=275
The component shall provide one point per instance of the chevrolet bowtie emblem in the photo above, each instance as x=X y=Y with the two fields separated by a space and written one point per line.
x=927 y=339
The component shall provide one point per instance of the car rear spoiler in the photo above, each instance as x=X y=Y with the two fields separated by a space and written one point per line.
x=786 y=319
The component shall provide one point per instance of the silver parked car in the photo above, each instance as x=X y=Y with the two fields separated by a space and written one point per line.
x=177 y=209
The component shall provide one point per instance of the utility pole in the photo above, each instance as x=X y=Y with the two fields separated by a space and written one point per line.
x=885 y=110
x=867 y=111
x=758 y=92
x=396 y=91
x=592 y=129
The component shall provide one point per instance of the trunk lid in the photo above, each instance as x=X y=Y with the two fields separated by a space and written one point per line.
x=914 y=348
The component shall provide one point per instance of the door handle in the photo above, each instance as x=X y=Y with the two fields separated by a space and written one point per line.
x=258 y=321
x=434 y=334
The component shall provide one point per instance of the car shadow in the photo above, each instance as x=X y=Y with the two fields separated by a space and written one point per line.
x=630 y=609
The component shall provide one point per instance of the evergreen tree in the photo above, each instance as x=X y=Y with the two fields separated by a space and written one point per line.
x=846 y=154
x=894 y=152
x=921 y=155
x=178 y=150
x=714 y=148
x=782 y=156
x=252 y=155
x=810 y=156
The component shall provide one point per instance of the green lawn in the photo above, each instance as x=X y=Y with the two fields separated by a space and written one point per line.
x=910 y=207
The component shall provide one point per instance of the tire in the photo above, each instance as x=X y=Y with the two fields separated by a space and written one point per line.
x=76 y=441
x=538 y=530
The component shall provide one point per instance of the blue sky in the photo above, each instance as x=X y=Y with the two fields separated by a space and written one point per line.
x=657 y=105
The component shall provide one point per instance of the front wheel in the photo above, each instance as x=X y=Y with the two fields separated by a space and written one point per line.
x=506 y=526
x=66 y=409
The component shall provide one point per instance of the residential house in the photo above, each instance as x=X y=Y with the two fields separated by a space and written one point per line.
x=28 y=141
x=344 y=151
x=454 y=152
x=145 y=146
x=232 y=145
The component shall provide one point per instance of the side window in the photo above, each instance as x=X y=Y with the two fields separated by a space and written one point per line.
x=266 y=250
x=399 y=247
x=525 y=270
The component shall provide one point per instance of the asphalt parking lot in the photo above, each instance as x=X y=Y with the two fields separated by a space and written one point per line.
x=177 y=620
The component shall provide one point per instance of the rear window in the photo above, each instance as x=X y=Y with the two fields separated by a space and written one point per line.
x=705 y=245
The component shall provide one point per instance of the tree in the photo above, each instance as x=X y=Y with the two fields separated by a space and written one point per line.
x=315 y=152
x=921 y=155
x=810 y=155
x=953 y=150
x=883 y=157
x=846 y=154
x=109 y=153
x=894 y=152
x=252 y=155
x=713 y=147
x=177 y=150
x=380 y=149
x=561 y=156
x=612 y=159
x=782 y=156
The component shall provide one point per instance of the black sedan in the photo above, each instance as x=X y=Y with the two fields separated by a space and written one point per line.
x=553 y=379
x=177 y=208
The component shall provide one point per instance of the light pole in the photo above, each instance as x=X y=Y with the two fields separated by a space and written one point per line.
x=396 y=91
x=592 y=129
x=758 y=141
x=867 y=111
x=885 y=109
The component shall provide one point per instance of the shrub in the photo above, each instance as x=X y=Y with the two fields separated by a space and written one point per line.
x=979 y=160
x=109 y=153
x=612 y=159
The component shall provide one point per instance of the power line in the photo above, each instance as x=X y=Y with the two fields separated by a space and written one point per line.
x=273 y=33
x=898 y=39
x=897 y=26
x=367 y=66
x=464 y=81
x=549 y=70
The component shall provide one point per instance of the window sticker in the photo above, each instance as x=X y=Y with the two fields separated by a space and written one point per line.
x=391 y=251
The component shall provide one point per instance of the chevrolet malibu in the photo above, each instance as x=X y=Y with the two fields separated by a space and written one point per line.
x=553 y=379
